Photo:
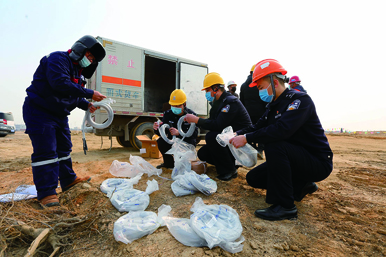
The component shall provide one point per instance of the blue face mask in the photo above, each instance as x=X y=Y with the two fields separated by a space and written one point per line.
x=176 y=110
x=265 y=96
x=84 y=62
x=209 y=97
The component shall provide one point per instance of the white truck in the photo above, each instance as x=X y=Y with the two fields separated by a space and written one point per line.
x=141 y=81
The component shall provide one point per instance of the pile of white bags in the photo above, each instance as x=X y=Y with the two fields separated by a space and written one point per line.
x=246 y=155
x=138 y=165
x=209 y=225
x=190 y=183
x=130 y=199
x=137 y=224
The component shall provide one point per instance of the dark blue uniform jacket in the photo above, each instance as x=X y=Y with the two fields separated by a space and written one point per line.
x=57 y=86
x=299 y=88
x=226 y=111
x=172 y=119
x=292 y=118
x=250 y=98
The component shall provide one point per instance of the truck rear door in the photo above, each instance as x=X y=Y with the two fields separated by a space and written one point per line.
x=191 y=79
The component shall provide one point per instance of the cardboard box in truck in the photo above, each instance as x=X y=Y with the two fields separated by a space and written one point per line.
x=141 y=81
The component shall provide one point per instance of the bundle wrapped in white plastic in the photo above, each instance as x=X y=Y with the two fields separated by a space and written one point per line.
x=183 y=153
x=182 y=231
x=190 y=183
x=129 y=199
x=137 y=224
x=246 y=155
x=219 y=225
x=144 y=166
x=112 y=185
x=138 y=165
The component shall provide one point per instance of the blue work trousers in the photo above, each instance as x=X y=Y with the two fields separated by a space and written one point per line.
x=213 y=153
x=287 y=169
x=51 y=142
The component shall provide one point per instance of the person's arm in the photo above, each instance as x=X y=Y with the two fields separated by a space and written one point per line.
x=223 y=119
x=284 y=127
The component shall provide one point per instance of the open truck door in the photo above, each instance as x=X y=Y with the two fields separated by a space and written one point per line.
x=191 y=79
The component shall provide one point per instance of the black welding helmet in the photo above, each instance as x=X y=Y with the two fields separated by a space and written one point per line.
x=87 y=42
x=78 y=50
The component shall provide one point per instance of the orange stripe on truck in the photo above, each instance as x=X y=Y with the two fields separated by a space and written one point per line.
x=129 y=82
x=120 y=81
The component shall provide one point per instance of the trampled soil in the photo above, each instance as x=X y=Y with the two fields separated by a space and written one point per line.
x=345 y=217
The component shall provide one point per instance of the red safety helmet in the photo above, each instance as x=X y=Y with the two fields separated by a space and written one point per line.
x=294 y=79
x=264 y=68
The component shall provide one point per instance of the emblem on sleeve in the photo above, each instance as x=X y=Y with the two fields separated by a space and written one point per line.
x=226 y=108
x=294 y=105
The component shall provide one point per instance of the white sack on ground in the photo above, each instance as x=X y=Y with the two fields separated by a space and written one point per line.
x=181 y=230
x=136 y=166
x=112 y=185
x=219 y=225
x=137 y=224
x=129 y=199
x=190 y=183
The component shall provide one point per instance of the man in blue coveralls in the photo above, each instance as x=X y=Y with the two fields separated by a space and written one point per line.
x=56 y=89
x=296 y=148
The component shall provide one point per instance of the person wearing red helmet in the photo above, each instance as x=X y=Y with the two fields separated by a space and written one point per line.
x=294 y=83
x=296 y=149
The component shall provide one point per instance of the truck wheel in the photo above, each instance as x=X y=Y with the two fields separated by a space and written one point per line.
x=122 y=142
x=144 y=128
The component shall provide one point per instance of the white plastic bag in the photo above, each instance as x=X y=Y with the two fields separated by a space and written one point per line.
x=246 y=154
x=190 y=183
x=129 y=199
x=138 y=165
x=145 y=167
x=137 y=224
x=219 y=225
x=202 y=183
x=183 y=153
x=112 y=185
x=181 y=230
x=124 y=169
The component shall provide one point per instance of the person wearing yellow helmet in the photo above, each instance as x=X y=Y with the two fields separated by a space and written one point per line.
x=297 y=150
x=227 y=110
x=178 y=108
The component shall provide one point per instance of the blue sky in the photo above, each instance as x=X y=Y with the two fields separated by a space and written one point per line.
x=337 y=48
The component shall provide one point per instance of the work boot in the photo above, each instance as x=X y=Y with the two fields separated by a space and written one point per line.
x=227 y=177
x=309 y=188
x=76 y=181
x=50 y=201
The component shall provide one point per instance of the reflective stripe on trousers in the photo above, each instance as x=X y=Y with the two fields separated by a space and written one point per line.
x=35 y=164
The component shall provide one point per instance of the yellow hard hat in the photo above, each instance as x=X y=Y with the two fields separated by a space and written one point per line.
x=253 y=67
x=177 y=97
x=211 y=79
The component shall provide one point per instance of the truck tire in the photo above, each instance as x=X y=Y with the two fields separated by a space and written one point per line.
x=121 y=141
x=144 y=128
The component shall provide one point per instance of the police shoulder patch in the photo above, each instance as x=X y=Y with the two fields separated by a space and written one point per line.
x=226 y=108
x=294 y=105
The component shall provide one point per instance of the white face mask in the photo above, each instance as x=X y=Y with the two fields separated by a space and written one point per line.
x=85 y=62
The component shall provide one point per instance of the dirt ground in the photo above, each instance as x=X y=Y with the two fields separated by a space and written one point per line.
x=345 y=217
